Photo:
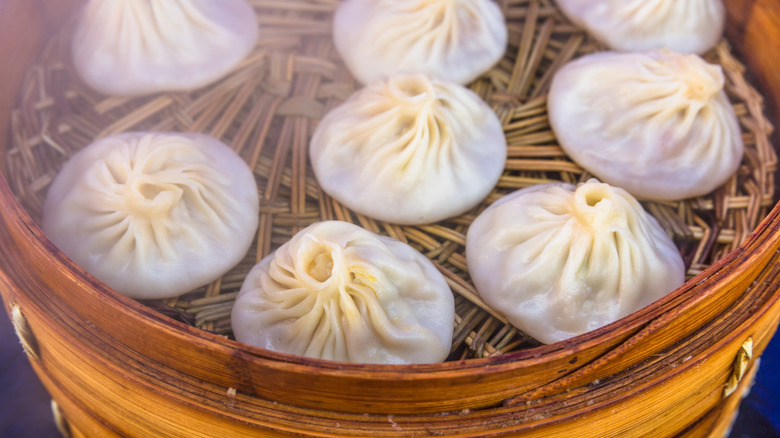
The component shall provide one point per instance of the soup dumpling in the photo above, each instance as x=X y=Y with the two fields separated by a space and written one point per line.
x=339 y=292
x=410 y=150
x=136 y=47
x=687 y=26
x=560 y=260
x=153 y=215
x=456 y=40
x=657 y=123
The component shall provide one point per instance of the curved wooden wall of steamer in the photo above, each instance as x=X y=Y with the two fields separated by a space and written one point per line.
x=117 y=368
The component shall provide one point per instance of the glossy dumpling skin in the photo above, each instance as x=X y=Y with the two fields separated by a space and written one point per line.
x=560 y=260
x=410 y=150
x=456 y=40
x=336 y=291
x=656 y=123
x=687 y=26
x=153 y=215
x=136 y=47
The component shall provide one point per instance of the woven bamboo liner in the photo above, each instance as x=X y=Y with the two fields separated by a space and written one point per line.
x=268 y=107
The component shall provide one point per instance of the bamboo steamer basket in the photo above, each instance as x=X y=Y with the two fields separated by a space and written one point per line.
x=115 y=367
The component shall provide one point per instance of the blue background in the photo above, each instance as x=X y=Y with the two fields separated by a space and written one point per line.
x=759 y=414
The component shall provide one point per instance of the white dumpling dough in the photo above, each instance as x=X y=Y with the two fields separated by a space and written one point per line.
x=656 y=123
x=409 y=150
x=560 y=260
x=153 y=215
x=336 y=291
x=135 y=47
x=457 y=40
x=688 y=26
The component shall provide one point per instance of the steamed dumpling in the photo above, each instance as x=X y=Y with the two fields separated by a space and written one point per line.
x=456 y=40
x=657 y=123
x=339 y=292
x=409 y=150
x=134 y=47
x=688 y=26
x=560 y=260
x=153 y=215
